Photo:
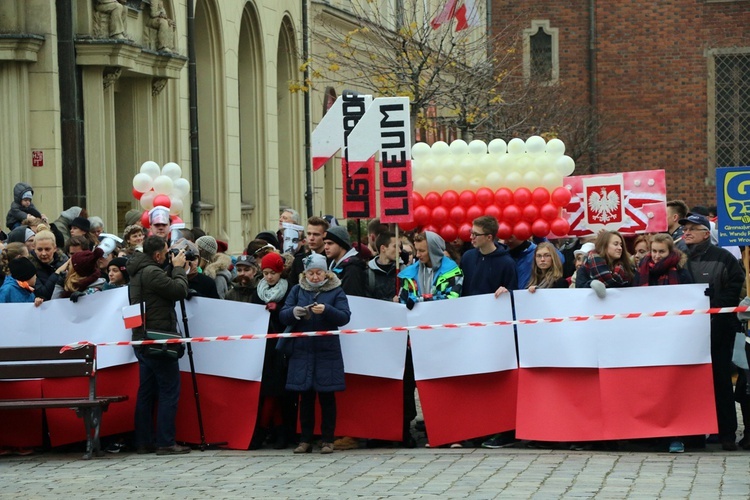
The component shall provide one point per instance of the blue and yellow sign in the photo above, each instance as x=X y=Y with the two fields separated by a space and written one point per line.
x=733 y=205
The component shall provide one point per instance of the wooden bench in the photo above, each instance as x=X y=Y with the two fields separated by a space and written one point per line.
x=48 y=362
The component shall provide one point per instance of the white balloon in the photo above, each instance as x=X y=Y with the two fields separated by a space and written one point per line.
x=505 y=162
x=556 y=147
x=487 y=164
x=181 y=186
x=513 y=180
x=440 y=184
x=176 y=207
x=494 y=180
x=531 y=179
x=142 y=182
x=422 y=185
x=565 y=165
x=497 y=147
x=458 y=183
x=440 y=148
x=475 y=183
x=523 y=163
x=448 y=164
x=551 y=180
x=477 y=147
x=150 y=168
x=420 y=150
x=535 y=144
x=544 y=163
x=172 y=170
x=163 y=185
x=516 y=146
x=459 y=147
x=147 y=200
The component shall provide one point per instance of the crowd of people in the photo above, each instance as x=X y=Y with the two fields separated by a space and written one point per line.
x=303 y=274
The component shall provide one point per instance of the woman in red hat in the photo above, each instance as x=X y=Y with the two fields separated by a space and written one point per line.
x=84 y=277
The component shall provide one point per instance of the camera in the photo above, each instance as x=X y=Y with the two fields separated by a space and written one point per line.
x=190 y=255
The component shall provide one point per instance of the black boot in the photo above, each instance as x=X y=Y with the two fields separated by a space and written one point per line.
x=281 y=442
x=259 y=436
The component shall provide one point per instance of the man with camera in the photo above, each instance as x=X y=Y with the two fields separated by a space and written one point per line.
x=199 y=284
x=157 y=290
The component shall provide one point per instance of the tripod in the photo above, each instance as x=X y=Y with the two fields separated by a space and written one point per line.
x=203 y=444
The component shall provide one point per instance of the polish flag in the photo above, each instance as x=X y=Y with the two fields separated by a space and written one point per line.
x=445 y=15
x=614 y=379
x=131 y=316
x=466 y=377
x=467 y=15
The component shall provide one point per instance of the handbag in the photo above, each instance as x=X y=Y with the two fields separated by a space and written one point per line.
x=159 y=351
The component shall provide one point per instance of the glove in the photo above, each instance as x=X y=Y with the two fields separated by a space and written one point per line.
x=301 y=312
x=410 y=303
x=709 y=292
x=191 y=293
x=76 y=295
x=271 y=306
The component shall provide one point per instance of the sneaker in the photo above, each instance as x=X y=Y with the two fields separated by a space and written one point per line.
x=303 y=448
x=326 y=448
x=346 y=443
x=498 y=441
x=144 y=450
x=728 y=445
x=23 y=452
x=676 y=447
x=744 y=443
x=115 y=448
x=175 y=449
x=457 y=445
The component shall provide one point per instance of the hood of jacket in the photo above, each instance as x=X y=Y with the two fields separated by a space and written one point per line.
x=138 y=262
x=220 y=263
x=373 y=264
x=333 y=282
x=499 y=251
x=436 y=249
x=71 y=213
x=19 y=189
x=345 y=260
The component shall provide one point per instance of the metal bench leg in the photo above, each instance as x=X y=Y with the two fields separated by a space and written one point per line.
x=92 y=417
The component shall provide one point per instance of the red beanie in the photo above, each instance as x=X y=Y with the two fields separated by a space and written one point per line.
x=272 y=261
x=84 y=262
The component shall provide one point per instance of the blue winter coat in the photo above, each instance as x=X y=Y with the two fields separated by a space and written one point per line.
x=12 y=293
x=316 y=362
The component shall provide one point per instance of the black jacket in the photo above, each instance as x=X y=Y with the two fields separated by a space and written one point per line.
x=17 y=213
x=381 y=283
x=46 y=278
x=351 y=272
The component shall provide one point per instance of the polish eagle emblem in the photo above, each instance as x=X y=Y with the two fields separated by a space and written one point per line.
x=604 y=206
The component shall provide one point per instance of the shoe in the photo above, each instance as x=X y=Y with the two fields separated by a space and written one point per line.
x=376 y=443
x=600 y=288
x=175 y=449
x=326 y=448
x=115 y=448
x=581 y=447
x=712 y=439
x=303 y=448
x=409 y=441
x=144 y=450
x=728 y=445
x=457 y=445
x=23 y=452
x=498 y=441
x=676 y=447
x=744 y=443
x=346 y=443
x=419 y=426
x=281 y=442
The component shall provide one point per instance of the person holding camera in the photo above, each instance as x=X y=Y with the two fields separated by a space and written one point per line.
x=159 y=387
x=199 y=284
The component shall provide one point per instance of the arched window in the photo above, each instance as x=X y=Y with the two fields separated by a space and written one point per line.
x=540 y=53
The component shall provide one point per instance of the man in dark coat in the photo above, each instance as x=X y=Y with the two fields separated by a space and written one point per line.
x=316 y=230
x=381 y=269
x=159 y=376
x=344 y=261
x=488 y=265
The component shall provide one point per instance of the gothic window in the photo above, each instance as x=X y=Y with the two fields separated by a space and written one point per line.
x=732 y=110
x=540 y=54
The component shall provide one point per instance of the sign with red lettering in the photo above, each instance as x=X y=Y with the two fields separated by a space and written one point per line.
x=37 y=158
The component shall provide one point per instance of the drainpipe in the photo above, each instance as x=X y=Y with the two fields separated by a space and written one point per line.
x=593 y=97
x=308 y=118
x=195 y=162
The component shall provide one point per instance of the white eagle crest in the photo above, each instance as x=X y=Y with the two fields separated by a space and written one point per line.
x=604 y=206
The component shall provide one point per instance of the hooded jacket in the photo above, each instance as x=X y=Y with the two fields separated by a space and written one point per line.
x=63 y=222
x=159 y=291
x=12 y=293
x=486 y=273
x=381 y=283
x=447 y=278
x=316 y=362
x=219 y=271
x=350 y=270
x=46 y=278
x=17 y=213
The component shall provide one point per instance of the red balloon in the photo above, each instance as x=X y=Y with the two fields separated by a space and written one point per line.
x=504 y=231
x=430 y=227
x=457 y=214
x=439 y=215
x=560 y=196
x=432 y=199
x=485 y=196
x=522 y=231
x=464 y=232
x=511 y=214
x=530 y=213
x=408 y=226
x=416 y=199
x=137 y=194
x=540 y=228
x=549 y=212
x=144 y=220
x=473 y=212
x=540 y=196
x=503 y=197
x=467 y=198
x=450 y=199
x=559 y=226
x=449 y=232
x=493 y=211
x=162 y=200
x=176 y=219
x=422 y=215
x=522 y=197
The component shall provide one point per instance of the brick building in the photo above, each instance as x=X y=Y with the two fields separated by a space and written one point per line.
x=670 y=79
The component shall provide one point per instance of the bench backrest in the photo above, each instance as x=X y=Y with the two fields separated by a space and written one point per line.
x=47 y=362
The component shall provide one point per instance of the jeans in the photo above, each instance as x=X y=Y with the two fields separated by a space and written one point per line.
x=722 y=347
x=327 y=415
x=160 y=387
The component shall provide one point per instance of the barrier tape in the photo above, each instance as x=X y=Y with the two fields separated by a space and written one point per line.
x=446 y=326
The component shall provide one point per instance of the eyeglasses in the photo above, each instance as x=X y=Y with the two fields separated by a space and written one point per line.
x=477 y=235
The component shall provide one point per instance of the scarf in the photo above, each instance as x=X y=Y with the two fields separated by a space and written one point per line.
x=664 y=272
x=25 y=285
x=315 y=286
x=272 y=293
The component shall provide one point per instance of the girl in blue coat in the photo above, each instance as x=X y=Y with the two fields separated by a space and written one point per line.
x=316 y=365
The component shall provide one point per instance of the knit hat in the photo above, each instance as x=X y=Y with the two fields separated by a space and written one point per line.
x=120 y=263
x=222 y=246
x=22 y=269
x=21 y=234
x=133 y=217
x=272 y=261
x=269 y=237
x=340 y=236
x=158 y=215
x=27 y=195
x=81 y=223
x=245 y=260
x=84 y=263
x=130 y=230
x=315 y=261
x=206 y=247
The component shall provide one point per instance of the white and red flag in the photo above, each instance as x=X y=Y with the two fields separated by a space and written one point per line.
x=447 y=13
x=619 y=378
x=466 y=15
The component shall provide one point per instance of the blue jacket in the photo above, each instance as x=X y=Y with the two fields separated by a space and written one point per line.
x=486 y=273
x=316 y=362
x=12 y=293
x=446 y=282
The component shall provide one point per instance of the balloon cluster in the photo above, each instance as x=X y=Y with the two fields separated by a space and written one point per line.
x=519 y=183
x=156 y=186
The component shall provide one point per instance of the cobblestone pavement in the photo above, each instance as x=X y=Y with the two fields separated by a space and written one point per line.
x=381 y=473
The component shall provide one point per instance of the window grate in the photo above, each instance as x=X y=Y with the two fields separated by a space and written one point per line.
x=732 y=110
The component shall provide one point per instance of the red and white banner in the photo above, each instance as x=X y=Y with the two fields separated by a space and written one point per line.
x=614 y=379
x=467 y=15
x=629 y=202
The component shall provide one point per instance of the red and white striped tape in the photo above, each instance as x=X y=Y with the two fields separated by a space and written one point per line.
x=256 y=336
